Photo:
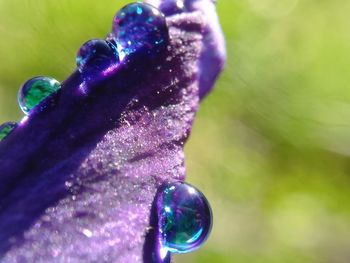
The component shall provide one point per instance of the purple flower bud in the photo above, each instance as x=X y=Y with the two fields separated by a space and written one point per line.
x=78 y=180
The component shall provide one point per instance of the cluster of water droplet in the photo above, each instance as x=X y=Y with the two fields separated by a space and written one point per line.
x=137 y=28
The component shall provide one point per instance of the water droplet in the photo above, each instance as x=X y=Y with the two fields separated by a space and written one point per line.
x=185 y=217
x=35 y=91
x=6 y=129
x=140 y=26
x=97 y=58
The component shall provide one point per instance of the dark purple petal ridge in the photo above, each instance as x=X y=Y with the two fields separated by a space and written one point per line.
x=79 y=178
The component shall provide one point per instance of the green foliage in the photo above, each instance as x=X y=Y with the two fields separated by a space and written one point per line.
x=271 y=144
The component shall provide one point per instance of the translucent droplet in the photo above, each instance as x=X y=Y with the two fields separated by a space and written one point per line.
x=6 y=129
x=140 y=26
x=97 y=58
x=35 y=91
x=184 y=217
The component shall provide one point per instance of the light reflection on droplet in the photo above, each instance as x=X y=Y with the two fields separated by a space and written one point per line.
x=24 y=120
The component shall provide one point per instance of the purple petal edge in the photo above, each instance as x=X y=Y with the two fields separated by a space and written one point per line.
x=78 y=180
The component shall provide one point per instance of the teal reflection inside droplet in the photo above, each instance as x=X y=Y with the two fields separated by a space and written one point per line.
x=185 y=218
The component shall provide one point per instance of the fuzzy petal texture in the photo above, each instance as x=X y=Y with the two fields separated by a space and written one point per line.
x=78 y=180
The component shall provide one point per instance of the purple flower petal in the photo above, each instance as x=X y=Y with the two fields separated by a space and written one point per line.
x=78 y=180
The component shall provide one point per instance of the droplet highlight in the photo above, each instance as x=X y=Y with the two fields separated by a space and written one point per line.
x=35 y=90
x=97 y=58
x=172 y=7
x=140 y=26
x=6 y=129
x=184 y=217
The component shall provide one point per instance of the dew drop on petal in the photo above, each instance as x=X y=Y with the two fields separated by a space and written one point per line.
x=184 y=217
x=35 y=91
x=97 y=58
x=140 y=26
x=6 y=128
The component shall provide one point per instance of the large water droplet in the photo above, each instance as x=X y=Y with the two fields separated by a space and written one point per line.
x=140 y=26
x=185 y=217
x=6 y=129
x=35 y=91
x=97 y=58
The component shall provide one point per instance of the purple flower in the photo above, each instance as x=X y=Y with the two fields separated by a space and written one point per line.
x=78 y=180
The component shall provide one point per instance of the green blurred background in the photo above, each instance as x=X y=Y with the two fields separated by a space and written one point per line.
x=271 y=145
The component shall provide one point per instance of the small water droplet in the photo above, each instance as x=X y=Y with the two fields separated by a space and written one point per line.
x=185 y=217
x=35 y=90
x=140 y=26
x=97 y=58
x=6 y=129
